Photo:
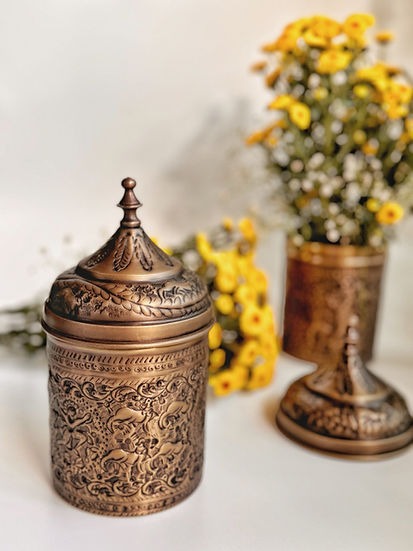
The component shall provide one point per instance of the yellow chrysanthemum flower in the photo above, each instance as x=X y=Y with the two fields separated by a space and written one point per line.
x=325 y=27
x=362 y=91
x=376 y=74
x=215 y=336
x=245 y=262
x=369 y=148
x=389 y=213
x=332 y=61
x=261 y=376
x=254 y=138
x=203 y=246
x=227 y=224
x=246 y=227
x=258 y=65
x=384 y=37
x=395 y=111
x=314 y=40
x=397 y=92
x=359 y=137
x=268 y=343
x=409 y=128
x=272 y=77
x=226 y=280
x=320 y=93
x=252 y=320
x=356 y=25
x=245 y=294
x=224 y=304
x=257 y=279
x=248 y=352
x=372 y=204
x=282 y=102
x=240 y=373
x=300 y=115
x=216 y=359
x=225 y=382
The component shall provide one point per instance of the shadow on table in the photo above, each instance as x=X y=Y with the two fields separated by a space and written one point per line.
x=270 y=408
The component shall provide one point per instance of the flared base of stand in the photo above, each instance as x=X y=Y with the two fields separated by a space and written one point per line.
x=351 y=449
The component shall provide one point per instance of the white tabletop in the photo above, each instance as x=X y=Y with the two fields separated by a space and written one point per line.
x=259 y=491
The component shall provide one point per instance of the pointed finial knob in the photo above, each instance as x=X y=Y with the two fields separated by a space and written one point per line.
x=352 y=336
x=129 y=203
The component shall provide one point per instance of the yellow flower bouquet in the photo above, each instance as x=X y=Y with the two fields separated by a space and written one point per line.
x=340 y=142
x=243 y=343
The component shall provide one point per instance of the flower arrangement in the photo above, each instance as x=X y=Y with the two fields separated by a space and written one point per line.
x=243 y=343
x=341 y=140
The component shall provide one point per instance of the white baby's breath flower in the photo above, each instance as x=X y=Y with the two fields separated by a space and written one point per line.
x=298 y=240
x=281 y=157
x=297 y=166
x=336 y=182
x=342 y=139
x=326 y=190
x=348 y=227
x=314 y=80
x=318 y=133
x=336 y=126
x=316 y=160
x=333 y=209
x=395 y=130
x=375 y=163
x=339 y=78
x=333 y=236
x=307 y=185
x=298 y=90
x=376 y=240
x=316 y=207
x=294 y=184
x=338 y=108
x=367 y=178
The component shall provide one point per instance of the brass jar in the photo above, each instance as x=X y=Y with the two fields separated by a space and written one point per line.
x=325 y=285
x=127 y=350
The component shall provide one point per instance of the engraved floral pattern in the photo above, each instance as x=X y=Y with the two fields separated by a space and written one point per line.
x=325 y=416
x=319 y=301
x=126 y=245
x=128 y=446
x=77 y=298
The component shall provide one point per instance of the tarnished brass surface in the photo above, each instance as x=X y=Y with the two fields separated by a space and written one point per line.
x=128 y=355
x=346 y=409
x=324 y=285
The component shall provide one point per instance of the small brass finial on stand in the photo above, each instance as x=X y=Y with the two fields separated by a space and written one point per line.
x=345 y=409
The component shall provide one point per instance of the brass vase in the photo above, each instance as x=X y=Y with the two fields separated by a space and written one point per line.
x=127 y=349
x=325 y=284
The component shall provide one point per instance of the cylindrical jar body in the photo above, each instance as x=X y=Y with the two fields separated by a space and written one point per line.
x=325 y=285
x=127 y=423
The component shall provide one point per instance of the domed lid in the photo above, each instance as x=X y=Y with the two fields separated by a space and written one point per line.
x=128 y=291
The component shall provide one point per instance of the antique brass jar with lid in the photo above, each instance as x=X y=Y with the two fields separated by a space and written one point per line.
x=127 y=350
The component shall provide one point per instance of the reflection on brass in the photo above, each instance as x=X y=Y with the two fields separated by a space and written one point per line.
x=325 y=284
x=128 y=353
x=345 y=409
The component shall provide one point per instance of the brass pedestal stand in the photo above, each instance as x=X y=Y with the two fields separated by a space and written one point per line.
x=346 y=410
